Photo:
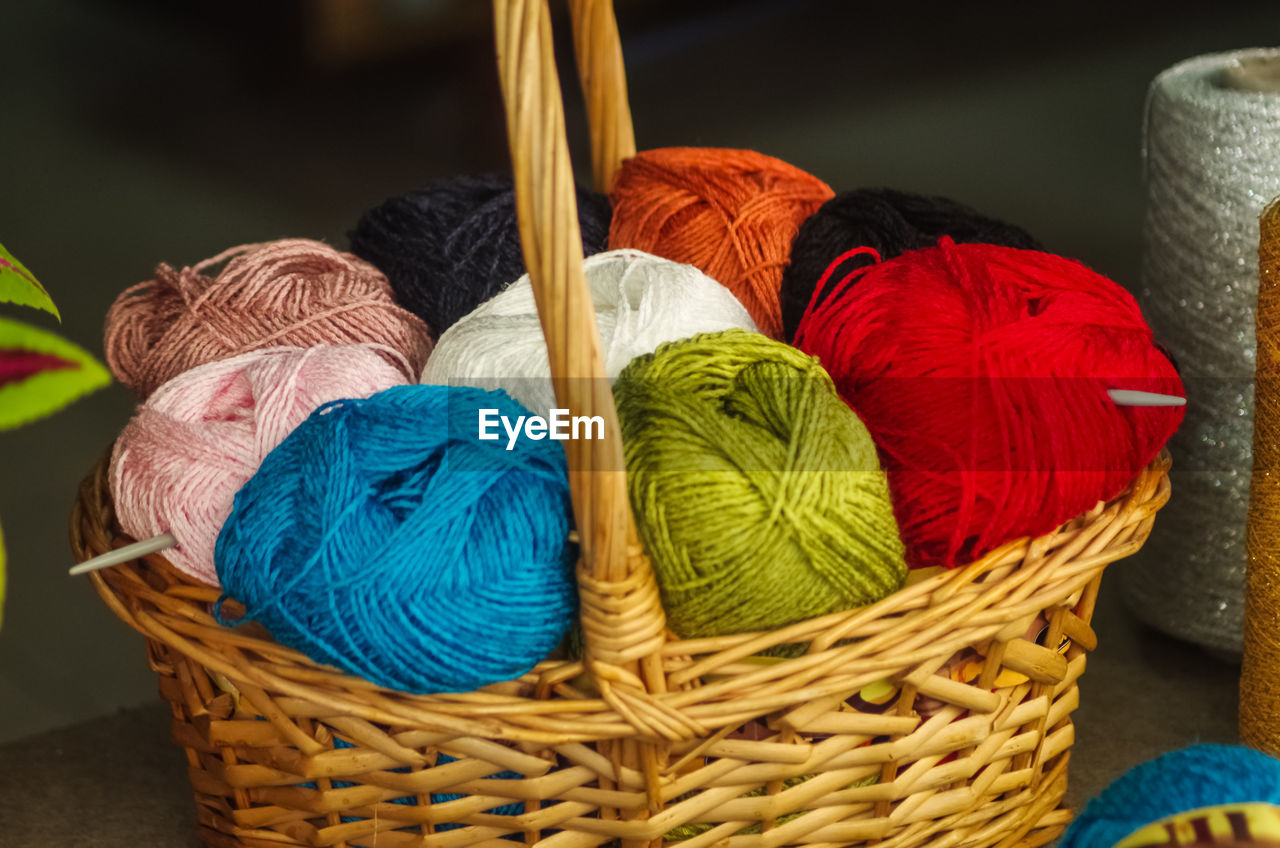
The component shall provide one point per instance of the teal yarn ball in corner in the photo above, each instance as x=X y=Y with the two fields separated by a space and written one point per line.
x=382 y=536
x=757 y=492
x=1190 y=779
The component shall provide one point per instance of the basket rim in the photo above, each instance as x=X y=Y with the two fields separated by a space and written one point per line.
x=713 y=684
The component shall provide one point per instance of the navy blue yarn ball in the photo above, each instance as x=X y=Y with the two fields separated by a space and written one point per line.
x=451 y=246
x=382 y=536
x=1200 y=776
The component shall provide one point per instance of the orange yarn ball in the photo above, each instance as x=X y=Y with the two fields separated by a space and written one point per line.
x=731 y=213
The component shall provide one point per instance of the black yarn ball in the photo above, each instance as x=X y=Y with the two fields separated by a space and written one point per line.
x=892 y=222
x=451 y=246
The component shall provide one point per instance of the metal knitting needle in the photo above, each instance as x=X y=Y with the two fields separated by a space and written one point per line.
x=128 y=552
x=1132 y=397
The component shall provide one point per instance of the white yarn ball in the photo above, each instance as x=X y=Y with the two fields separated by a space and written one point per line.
x=641 y=301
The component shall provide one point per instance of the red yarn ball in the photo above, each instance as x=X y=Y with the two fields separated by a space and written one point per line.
x=982 y=373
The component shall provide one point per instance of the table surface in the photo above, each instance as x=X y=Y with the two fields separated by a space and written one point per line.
x=121 y=779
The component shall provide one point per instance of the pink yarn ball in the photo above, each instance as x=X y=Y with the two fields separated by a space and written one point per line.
x=200 y=436
x=291 y=292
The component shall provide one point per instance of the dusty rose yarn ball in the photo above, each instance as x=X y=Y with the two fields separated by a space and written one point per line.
x=291 y=292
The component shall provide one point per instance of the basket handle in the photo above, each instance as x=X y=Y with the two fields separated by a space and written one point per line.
x=624 y=627
x=598 y=50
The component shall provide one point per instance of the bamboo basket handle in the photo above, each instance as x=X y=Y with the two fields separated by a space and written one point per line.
x=623 y=623
x=598 y=50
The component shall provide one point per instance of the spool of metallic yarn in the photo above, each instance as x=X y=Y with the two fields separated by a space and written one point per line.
x=1260 y=678
x=1212 y=155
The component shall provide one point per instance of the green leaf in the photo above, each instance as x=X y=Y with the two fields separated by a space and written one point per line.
x=20 y=286
x=41 y=373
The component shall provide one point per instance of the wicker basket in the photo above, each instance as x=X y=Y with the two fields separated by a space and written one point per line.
x=648 y=740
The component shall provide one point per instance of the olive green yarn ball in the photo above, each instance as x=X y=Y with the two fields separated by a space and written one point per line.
x=756 y=490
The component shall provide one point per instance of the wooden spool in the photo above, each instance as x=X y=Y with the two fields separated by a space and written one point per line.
x=1260 y=673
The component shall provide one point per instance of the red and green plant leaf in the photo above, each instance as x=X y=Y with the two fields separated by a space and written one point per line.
x=20 y=286
x=41 y=373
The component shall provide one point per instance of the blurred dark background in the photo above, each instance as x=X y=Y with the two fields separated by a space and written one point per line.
x=136 y=131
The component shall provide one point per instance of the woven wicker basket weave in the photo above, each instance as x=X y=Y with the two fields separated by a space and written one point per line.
x=648 y=740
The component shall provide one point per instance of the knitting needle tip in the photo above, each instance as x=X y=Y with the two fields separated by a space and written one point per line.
x=126 y=553
x=1132 y=397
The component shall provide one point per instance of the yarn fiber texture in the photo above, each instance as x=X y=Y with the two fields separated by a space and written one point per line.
x=1200 y=776
x=383 y=537
x=177 y=465
x=1260 y=674
x=731 y=213
x=294 y=292
x=640 y=302
x=756 y=491
x=451 y=246
x=890 y=221
x=982 y=373
x=1212 y=157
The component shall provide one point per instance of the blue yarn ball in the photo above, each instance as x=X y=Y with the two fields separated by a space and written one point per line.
x=1200 y=776
x=382 y=536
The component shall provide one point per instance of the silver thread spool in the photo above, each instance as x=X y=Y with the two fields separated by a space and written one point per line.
x=1212 y=159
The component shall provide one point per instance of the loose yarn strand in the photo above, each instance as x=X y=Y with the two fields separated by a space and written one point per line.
x=893 y=222
x=818 y=291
